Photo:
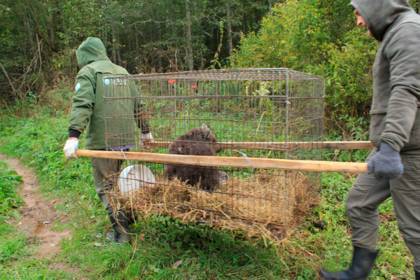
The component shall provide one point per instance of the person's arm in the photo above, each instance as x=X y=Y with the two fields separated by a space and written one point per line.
x=81 y=112
x=403 y=53
x=82 y=106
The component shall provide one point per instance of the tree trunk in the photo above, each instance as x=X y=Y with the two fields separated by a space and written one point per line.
x=229 y=28
x=188 y=24
x=114 y=44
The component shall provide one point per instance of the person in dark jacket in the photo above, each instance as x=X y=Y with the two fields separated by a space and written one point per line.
x=394 y=165
x=89 y=112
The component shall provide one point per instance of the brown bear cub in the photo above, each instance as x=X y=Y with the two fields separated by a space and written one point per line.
x=198 y=141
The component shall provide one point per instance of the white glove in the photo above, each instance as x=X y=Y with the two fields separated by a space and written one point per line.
x=70 y=148
x=146 y=138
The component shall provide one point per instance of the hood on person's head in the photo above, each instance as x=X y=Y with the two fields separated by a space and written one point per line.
x=92 y=49
x=380 y=14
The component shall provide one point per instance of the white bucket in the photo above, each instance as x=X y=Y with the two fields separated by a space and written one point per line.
x=134 y=177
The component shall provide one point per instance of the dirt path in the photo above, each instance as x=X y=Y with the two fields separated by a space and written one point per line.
x=38 y=215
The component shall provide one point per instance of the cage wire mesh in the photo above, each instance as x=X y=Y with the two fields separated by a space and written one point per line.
x=246 y=113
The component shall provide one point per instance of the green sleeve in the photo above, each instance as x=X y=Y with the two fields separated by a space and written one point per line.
x=83 y=103
x=403 y=52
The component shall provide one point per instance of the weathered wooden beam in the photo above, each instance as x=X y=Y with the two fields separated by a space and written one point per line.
x=239 y=162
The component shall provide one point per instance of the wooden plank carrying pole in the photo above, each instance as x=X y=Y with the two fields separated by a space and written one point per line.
x=241 y=162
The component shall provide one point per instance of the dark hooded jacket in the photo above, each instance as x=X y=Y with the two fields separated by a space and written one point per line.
x=95 y=104
x=396 y=73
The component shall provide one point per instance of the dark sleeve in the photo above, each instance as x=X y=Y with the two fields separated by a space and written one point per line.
x=74 y=133
x=403 y=53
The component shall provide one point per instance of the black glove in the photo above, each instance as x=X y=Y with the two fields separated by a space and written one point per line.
x=386 y=163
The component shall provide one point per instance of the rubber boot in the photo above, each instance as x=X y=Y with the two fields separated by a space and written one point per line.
x=417 y=275
x=361 y=265
x=120 y=227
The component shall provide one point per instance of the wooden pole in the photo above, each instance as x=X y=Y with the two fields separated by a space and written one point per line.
x=241 y=162
x=282 y=146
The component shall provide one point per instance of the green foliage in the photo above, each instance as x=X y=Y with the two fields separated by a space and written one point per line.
x=32 y=269
x=416 y=5
x=73 y=32
x=11 y=245
x=318 y=37
x=167 y=249
x=38 y=38
x=348 y=78
x=9 y=181
x=292 y=35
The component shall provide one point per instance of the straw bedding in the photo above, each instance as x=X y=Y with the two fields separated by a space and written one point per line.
x=268 y=205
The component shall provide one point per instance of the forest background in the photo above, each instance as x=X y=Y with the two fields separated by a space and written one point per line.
x=38 y=39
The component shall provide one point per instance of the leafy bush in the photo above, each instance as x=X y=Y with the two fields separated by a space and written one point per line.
x=349 y=81
x=292 y=35
x=312 y=36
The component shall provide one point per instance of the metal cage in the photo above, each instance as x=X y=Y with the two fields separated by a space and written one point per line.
x=250 y=113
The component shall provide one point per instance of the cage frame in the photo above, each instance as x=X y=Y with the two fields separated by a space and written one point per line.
x=259 y=75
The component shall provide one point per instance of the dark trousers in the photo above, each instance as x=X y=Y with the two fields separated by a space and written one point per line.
x=105 y=173
x=369 y=192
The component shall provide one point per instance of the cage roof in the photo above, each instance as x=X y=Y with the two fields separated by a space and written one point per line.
x=253 y=74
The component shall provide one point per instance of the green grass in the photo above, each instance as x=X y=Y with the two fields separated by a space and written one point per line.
x=9 y=181
x=167 y=249
x=15 y=248
x=11 y=246
x=16 y=261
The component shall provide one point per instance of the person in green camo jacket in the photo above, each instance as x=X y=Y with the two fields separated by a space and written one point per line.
x=394 y=165
x=89 y=111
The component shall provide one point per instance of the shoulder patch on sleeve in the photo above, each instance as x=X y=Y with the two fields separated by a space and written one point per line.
x=77 y=87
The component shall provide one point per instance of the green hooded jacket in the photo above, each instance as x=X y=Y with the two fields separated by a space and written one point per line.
x=110 y=122
x=396 y=73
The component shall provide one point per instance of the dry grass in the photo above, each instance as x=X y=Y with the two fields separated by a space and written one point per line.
x=269 y=204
